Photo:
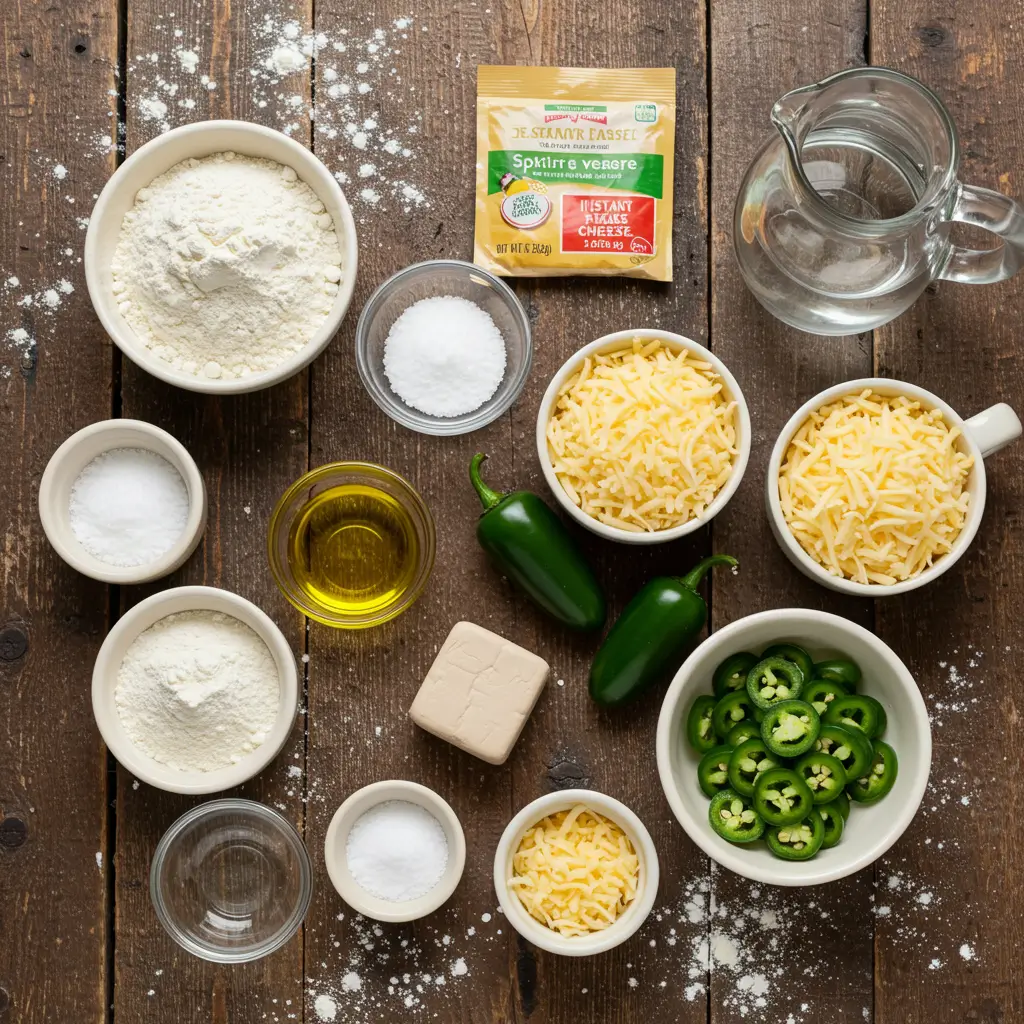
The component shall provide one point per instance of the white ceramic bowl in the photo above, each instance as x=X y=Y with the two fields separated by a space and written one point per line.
x=159 y=155
x=104 y=682
x=68 y=461
x=870 y=830
x=635 y=914
x=981 y=436
x=611 y=343
x=337 y=837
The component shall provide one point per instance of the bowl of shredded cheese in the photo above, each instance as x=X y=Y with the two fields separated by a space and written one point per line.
x=576 y=872
x=643 y=436
x=876 y=486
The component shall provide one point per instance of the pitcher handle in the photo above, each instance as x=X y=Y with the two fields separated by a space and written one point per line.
x=993 y=428
x=996 y=213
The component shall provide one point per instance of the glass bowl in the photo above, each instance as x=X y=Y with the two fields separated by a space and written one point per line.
x=424 y=281
x=231 y=881
x=408 y=516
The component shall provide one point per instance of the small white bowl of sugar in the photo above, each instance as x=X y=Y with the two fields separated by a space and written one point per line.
x=123 y=502
x=395 y=851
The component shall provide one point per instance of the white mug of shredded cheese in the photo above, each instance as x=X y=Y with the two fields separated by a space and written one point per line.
x=875 y=487
x=576 y=872
x=643 y=436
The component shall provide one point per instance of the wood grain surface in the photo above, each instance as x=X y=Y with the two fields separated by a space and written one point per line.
x=929 y=934
x=962 y=343
x=58 y=70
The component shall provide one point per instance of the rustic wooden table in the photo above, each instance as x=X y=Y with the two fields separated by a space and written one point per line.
x=930 y=933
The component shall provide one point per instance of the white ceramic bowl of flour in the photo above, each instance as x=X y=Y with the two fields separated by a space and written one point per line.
x=161 y=154
x=111 y=719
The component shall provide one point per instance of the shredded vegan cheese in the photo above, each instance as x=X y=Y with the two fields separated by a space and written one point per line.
x=575 y=871
x=873 y=487
x=643 y=438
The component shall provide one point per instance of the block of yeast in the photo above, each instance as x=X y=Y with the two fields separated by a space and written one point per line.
x=479 y=692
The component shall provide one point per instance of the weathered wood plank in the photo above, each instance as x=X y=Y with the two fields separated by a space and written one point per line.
x=758 y=52
x=249 y=448
x=645 y=978
x=58 y=66
x=946 y=947
x=361 y=684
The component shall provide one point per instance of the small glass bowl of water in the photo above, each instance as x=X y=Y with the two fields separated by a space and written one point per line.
x=231 y=881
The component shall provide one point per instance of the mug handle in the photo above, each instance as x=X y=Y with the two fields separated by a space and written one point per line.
x=996 y=213
x=993 y=428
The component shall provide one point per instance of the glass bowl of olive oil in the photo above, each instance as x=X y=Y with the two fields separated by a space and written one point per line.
x=351 y=544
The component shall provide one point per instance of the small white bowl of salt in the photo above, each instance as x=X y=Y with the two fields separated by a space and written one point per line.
x=123 y=502
x=395 y=851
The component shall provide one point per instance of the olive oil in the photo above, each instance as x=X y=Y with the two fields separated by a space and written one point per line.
x=353 y=550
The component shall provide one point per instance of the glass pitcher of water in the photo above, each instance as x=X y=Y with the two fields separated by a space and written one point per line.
x=844 y=217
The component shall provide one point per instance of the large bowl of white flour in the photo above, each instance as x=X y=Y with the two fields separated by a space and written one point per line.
x=221 y=257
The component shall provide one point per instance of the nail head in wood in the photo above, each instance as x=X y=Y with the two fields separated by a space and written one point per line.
x=13 y=833
x=13 y=643
x=933 y=35
x=564 y=773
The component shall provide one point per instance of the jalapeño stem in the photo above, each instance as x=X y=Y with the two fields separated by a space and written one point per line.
x=698 y=572
x=488 y=497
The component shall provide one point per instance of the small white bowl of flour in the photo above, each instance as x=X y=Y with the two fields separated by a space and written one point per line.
x=221 y=257
x=195 y=690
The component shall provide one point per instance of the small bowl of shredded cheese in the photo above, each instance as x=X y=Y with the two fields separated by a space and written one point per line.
x=643 y=436
x=875 y=486
x=576 y=872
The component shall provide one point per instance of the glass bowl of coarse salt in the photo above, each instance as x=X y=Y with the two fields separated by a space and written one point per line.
x=122 y=501
x=443 y=347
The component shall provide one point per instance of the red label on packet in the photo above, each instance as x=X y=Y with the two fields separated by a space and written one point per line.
x=608 y=223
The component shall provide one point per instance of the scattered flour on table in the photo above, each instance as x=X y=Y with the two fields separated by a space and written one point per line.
x=21 y=341
x=366 y=113
x=188 y=59
x=370 y=971
x=326 y=1008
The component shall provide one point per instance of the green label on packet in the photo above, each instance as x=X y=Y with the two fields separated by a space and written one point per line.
x=631 y=172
